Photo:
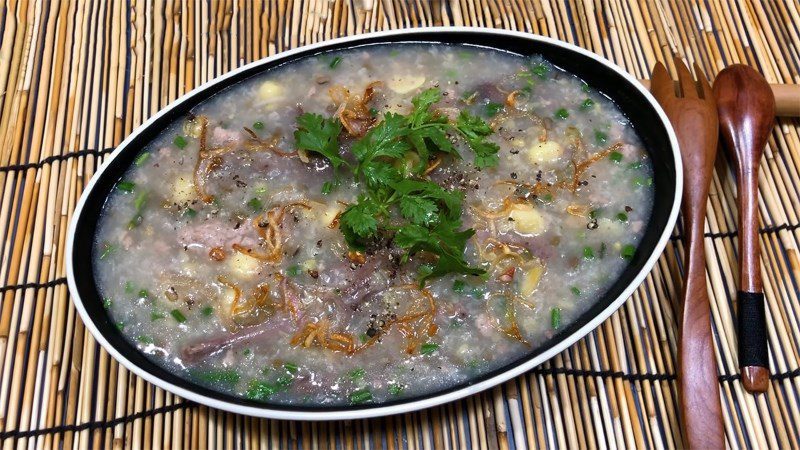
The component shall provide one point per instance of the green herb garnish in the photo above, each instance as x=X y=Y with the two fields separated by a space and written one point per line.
x=180 y=142
x=588 y=253
x=335 y=62
x=207 y=310
x=615 y=156
x=459 y=286
x=628 y=251
x=428 y=348
x=291 y=367
x=189 y=213
x=145 y=340
x=107 y=303
x=555 y=318
x=493 y=108
x=562 y=114
x=155 y=315
x=108 y=250
x=357 y=374
x=178 y=316
x=260 y=390
x=622 y=217
x=360 y=396
x=141 y=159
x=255 y=204
x=395 y=389
x=575 y=291
x=587 y=104
x=293 y=271
x=217 y=376
x=600 y=138
x=258 y=125
x=126 y=186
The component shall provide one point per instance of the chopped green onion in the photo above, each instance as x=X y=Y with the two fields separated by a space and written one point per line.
x=135 y=222
x=129 y=287
x=327 y=187
x=217 y=376
x=255 y=204
x=155 y=315
x=335 y=62
x=180 y=141
x=120 y=325
x=363 y=338
x=291 y=367
x=562 y=114
x=107 y=303
x=373 y=112
x=587 y=104
x=178 y=316
x=575 y=291
x=360 y=396
x=140 y=201
x=627 y=251
x=585 y=87
x=207 y=311
x=357 y=374
x=622 y=217
x=493 y=108
x=247 y=352
x=615 y=156
x=396 y=389
x=555 y=318
x=261 y=190
x=141 y=159
x=428 y=348
x=144 y=294
x=259 y=125
x=146 y=340
x=639 y=181
x=635 y=165
x=600 y=137
x=594 y=213
x=108 y=249
x=126 y=186
x=293 y=271
x=285 y=380
x=588 y=253
x=540 y=70
x=259 y=390
x=459 y=286
x=189 y=212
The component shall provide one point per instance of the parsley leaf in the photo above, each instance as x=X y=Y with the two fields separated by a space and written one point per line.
x=319 y=135
x=358 y=221
x=383 y=141
x=443 y=240
x=475 y=131
x=419 y=210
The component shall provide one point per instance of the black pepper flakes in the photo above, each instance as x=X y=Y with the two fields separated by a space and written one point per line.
x=513 y=175
x=628 y=208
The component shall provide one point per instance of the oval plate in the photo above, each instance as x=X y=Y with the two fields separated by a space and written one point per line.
x=630 y=96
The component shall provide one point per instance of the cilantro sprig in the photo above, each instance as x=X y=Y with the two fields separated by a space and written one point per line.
x=417 y=213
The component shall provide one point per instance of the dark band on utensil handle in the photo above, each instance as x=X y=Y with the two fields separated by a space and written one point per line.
x=753 y=356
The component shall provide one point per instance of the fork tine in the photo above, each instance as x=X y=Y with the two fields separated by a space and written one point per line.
x=661 y=84
x=702 y=81
x=686 y=81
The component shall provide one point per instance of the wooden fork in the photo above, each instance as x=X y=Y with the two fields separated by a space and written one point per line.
x=693 y=113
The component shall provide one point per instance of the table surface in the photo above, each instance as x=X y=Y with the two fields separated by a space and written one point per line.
x=76 y=77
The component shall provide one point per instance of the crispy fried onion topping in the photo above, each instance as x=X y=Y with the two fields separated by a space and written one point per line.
x=353 y=110
x=268 y=226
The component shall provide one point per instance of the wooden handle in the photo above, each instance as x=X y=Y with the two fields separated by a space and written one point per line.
x=696 y=126
x=787 y=98
x=746 y=112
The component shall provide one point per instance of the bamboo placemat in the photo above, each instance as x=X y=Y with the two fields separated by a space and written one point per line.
x=76 y=77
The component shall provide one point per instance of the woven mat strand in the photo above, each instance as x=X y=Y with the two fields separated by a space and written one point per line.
x=76 y=77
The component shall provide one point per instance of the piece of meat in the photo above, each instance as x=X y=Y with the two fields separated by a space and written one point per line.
x=208 y=347
x=218 y=233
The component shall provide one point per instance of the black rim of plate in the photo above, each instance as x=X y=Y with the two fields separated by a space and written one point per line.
x=642 y=115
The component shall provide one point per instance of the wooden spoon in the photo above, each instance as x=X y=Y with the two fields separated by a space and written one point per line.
x=693 y=115
x=746 y=112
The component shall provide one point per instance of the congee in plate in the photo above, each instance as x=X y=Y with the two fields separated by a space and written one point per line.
x=372 y=224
